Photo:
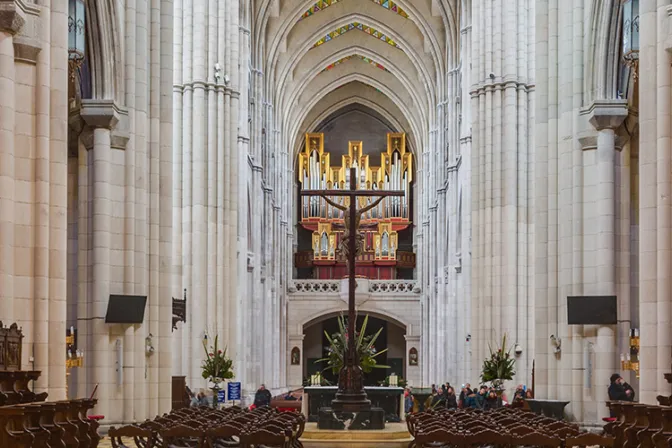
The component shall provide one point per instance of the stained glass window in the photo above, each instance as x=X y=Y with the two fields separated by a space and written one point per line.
x=318 y=6
x=321 y=4
x=347 y=58
x=359 y=26
x=388 y=4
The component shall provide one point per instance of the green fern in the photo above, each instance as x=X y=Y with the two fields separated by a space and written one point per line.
x=364 y=347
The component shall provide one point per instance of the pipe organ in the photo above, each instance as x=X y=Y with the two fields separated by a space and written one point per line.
x=380 y=226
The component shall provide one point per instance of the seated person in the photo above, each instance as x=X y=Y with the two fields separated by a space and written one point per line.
x=619 y=390
x=262 y=397
x=289 y=397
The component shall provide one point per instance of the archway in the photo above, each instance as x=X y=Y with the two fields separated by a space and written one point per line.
x=392 y=337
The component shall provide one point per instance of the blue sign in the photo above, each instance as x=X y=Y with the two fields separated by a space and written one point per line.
x=233 y=391
x=221 y=398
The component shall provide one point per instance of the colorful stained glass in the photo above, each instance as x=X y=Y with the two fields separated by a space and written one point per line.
x=321 y=4
x=389 y=4
x=318 y=6
x=347 y=58
x=352 y=26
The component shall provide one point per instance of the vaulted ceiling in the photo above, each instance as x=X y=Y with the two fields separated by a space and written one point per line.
x=321 y=57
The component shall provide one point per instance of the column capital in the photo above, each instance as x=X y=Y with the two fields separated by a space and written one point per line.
x=12 y=15
x=100 y=113
x=607 y=114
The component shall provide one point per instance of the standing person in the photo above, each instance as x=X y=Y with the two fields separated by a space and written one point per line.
x=451 y=398
x=408 y=401
x=262 y=397
x=464 y=394
x=439 y=399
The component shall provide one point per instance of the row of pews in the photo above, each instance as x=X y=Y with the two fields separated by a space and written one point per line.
x=503 y=427
x=26 y=419
x=15 y=387
x=638 y=425
x=204 y=427
x=56 y=424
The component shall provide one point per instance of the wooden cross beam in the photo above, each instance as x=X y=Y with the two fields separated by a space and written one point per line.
x=352 y=216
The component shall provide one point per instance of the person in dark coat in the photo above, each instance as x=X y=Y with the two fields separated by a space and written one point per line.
x=464 y=395
x=439 y=399
x=619 y=390
x=262 y=397
x=451 y=398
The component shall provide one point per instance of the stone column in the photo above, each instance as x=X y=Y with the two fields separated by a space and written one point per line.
x=11 y=21
x=101 y=116
x=606 y=117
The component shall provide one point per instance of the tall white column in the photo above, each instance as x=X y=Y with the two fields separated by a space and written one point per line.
x=606 y=116
x=9 y=25
x=101 y=116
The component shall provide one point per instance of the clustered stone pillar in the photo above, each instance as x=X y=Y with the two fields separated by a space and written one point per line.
x=606 y=117
x=101 y=117
x=11 y=21
x=501 y=98
x=655 y=194
x=211 y=170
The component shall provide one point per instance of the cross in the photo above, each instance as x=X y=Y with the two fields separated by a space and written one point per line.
x=351 y=396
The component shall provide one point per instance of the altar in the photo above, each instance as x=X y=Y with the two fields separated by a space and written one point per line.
x=387 y=398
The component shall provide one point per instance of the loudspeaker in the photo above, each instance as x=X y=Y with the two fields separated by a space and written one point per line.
x=125 y=309
x=592 y=310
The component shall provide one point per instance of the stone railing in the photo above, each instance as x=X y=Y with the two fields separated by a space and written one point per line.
x=373 y=287
x=393 y=287
x=307 y=286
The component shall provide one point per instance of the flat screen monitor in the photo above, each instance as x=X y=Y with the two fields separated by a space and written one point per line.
x=125 y=309
x=592 y=310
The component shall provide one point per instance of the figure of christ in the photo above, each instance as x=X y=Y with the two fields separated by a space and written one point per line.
x=359 y=243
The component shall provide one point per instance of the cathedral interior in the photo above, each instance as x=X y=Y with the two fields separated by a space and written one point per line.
x=153 y=155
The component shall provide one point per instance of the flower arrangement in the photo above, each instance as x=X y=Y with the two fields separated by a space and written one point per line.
x=499 y=367
x=400 y=382
x=364 y=346
x=216 y=367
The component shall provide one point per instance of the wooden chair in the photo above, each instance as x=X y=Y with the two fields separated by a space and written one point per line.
x=264 y=439
x=182 y=437
x=537 y=440
x=131 y=432
x=222 y=436
x=589 y=439
x=488 y=437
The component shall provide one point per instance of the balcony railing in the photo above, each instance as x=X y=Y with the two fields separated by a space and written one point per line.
x=375 y=287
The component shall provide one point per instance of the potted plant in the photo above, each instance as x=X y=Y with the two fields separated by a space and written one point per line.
x=364 y=346
x=499 y=367
x=216 y=367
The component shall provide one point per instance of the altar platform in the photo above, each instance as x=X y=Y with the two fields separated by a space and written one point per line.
x=390 y=399
x=395 y=435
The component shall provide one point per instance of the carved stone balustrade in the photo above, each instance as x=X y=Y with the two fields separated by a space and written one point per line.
x=375 y=287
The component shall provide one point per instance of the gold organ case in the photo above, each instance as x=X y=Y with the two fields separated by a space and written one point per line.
x=380 y=225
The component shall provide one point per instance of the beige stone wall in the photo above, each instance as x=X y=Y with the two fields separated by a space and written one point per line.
x=33 y=175
x=70 y=232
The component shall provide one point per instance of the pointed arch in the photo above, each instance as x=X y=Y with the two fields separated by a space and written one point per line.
x=104 y=49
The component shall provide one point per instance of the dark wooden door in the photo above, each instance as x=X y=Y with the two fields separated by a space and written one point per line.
x=179 y=394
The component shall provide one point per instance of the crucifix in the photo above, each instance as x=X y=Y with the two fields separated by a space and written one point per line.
x=351 y=396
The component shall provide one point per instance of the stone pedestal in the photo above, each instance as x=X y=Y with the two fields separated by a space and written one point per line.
x=371 y=419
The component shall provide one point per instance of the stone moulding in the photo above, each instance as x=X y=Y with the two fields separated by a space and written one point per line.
x=13 y=15
x=101 y=114
x=22 y=19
